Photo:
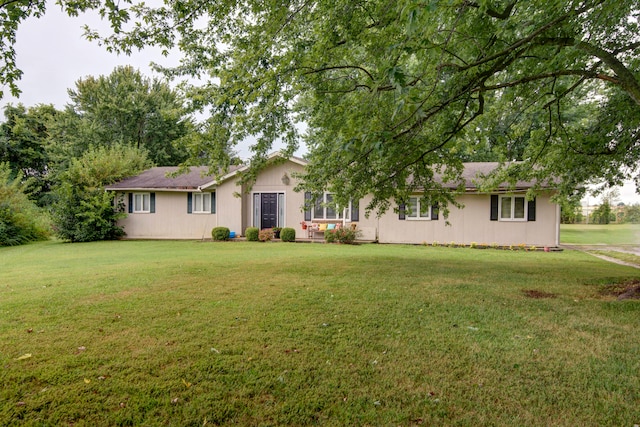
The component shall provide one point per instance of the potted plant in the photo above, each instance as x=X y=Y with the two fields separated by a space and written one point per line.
x=304 y=225
x=276 y=232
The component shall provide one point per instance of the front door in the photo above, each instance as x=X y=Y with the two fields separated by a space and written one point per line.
x=269 y=210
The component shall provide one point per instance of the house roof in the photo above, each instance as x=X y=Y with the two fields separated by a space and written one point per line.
x=160 y=178
x=243 y=168
x=473 y=172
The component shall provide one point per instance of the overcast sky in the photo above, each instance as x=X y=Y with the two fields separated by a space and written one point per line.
x=53 y=55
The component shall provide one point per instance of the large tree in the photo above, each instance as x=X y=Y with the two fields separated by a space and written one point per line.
x=393 y=91
x=23 y=145
x=124 y=108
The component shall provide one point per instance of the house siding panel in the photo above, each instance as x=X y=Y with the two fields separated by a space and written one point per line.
x=270 y=181
x=170 y=220
x=472 y=224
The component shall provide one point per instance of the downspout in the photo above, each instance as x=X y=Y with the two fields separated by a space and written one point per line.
x=557 y=225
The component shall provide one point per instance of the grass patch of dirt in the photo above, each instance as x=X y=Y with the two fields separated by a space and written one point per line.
x=533 y=293
x=629 y=289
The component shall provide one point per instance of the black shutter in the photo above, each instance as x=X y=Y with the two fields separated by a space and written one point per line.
x=401 y=211
x=355 y=210
x=213 y=202
x=434 y=211
x=152 y=203
x=130 y=202
x=494 y=207
x=189 y=202
x=307 y=206
x=531 y=210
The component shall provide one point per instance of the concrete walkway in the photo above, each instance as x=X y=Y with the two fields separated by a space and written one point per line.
x=630 y=249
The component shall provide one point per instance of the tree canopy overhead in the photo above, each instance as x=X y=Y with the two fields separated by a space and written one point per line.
x=392 y=91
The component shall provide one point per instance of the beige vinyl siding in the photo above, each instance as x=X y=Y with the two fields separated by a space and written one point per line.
x=472 y=224
x=270 y=181
x=229 y=206
x=170 y=220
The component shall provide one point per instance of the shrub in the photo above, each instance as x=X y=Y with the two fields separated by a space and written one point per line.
x=83 y=211
x=345 y=235
x=288 y=234
x=220 y=233
x=330 y=236
x=265 y=235
x=21 y=221
x=251 y=233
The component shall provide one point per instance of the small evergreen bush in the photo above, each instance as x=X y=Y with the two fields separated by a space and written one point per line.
x=288 y=234
x=220 y=233
x=251 y=233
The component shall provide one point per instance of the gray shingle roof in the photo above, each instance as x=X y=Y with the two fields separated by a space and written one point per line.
x=157 y=178
x=473 y=171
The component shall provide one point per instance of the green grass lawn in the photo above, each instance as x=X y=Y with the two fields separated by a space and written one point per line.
x=593 y=234
x=189 y=333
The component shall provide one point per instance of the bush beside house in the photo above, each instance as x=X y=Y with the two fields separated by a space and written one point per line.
x=345 y=235
x=288 y=234
x=266 y=235
x=251 y=233
x=220 y=233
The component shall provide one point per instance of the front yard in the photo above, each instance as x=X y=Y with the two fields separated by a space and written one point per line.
x=190 y=333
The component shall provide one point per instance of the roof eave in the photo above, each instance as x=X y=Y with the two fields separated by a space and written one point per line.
x=172 y=189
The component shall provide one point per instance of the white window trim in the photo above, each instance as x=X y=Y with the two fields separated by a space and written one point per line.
x=143 y=196
x=513 y=206
x=416 y=216
x=340 y=212
x=197 y=206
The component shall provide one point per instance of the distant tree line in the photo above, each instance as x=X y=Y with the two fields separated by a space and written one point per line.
x=607 y=212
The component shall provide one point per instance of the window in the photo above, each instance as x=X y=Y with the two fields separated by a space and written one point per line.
x=513 y=208
x=324 y=208
x=417 y=210
x=141 y=203
x=201 y=202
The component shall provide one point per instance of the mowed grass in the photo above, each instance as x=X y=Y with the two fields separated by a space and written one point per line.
x=190 y=333
x=595 y=234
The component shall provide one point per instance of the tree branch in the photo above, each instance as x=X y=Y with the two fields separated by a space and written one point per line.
x=625 y=78
x=524 y=80
x=494 y=13
x=339 y=67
